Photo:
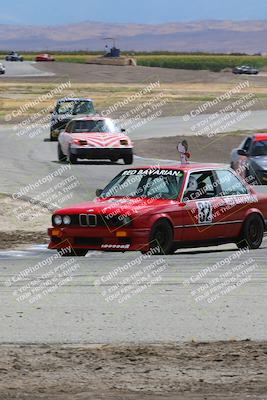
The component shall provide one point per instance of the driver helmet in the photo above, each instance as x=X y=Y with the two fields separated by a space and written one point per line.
x=192 y=184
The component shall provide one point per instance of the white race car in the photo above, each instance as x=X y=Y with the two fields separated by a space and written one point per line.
x=94 y=137
x=2 y=69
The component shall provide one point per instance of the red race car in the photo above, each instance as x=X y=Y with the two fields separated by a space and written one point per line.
x=44 y=57
x=163 y=209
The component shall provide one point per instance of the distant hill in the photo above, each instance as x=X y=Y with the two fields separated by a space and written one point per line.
x=210 y=36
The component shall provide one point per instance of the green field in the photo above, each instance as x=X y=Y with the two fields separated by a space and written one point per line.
x=196 y=62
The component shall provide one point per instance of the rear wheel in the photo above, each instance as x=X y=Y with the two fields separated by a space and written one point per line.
x=161 y=240
x=252 y=233
x=60 y=154
x=73 y=252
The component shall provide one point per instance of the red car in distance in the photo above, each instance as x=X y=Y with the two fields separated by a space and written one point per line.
x=164 y=209
x=44 y=57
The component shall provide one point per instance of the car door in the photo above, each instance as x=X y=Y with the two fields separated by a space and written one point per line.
x=199 y=198
x=234 y=199
x=239 y=162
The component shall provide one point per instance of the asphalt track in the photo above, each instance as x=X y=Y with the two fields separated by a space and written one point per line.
x=184 y=125
x=22 y=69
x=167 y=311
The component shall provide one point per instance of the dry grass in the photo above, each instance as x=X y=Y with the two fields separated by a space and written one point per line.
x=179 y=96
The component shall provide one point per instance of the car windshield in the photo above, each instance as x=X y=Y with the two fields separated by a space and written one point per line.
x=75 y=107
x=147 y=183
x=107 y=126
x=259 y=148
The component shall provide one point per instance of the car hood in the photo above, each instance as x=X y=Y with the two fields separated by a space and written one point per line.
x=118 y=205
x=96 y=138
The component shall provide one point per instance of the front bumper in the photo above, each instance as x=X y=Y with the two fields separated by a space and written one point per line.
x=101 y=152
x=103 y=239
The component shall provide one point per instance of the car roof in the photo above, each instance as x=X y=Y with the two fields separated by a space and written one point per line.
x=91 y=118
x=185 y=167
x=74 y=99
x=260 y=136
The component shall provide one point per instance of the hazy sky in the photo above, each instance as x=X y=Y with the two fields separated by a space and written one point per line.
x=143 y=11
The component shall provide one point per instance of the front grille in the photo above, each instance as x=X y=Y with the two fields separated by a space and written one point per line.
x=93 y=220
x=88 y=220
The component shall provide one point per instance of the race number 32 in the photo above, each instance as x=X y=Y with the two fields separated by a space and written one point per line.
x=204 y=212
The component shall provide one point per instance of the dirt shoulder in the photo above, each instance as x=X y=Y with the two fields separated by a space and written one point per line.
x=22 y=223
x=223 y=370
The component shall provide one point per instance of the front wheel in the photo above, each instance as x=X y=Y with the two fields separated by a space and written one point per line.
x=61 y=156
x=72 y=158
x=252 y=233
x=52 y=138
x=161 y=240
x=128 y=159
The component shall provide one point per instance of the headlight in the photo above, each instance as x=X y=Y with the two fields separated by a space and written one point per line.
x=57 y=219
x=66 y=220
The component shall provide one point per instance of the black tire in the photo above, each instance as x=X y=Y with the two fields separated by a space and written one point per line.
x=161 y=238
x=128 y=159
x=72 y=158
x=52 y=139
x=61 y=156
x=73 y=253
x=252 y=233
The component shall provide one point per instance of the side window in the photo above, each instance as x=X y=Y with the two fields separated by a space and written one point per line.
x=200 y=186
x=247 y=144
x=230 y=184
x=69 y=127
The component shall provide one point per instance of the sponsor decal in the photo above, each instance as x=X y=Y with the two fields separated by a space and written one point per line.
x=158 y=172
x=115 y=246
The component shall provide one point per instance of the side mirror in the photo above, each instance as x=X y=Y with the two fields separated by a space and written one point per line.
x=242 y=152
x=98 y=192
x=123 y=130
